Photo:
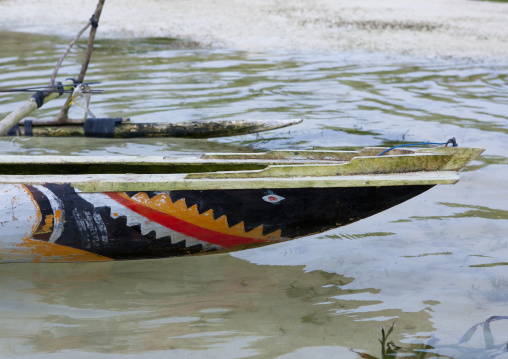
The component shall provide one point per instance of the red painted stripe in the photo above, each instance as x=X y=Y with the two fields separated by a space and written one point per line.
x=179 y=225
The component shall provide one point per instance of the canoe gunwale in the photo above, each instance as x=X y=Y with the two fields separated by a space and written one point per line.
x=173 y=182
x=277 y=169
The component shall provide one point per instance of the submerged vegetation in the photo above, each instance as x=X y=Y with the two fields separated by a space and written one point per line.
x=390 y=350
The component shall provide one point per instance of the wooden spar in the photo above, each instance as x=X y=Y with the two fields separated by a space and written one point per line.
x=62 y=57
x=32 y=104
x=191 y=129
x=94 y=21
x=41 y=97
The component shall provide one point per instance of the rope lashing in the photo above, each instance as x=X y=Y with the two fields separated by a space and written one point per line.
x=451 y=141
x=94 y=22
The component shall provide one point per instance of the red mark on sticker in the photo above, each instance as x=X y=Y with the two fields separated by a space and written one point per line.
x=273 y=198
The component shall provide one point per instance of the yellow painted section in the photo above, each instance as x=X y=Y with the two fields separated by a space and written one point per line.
x=48 y=224
x=162 y=202
x=41 y=251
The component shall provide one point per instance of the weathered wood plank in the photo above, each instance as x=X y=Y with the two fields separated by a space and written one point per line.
x=173 y=182
x=19 y=164
x=283 y=164
x=357 y=165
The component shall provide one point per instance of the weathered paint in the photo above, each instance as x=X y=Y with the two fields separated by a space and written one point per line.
x=21 y=219
x=215 y=232
x=19 y=213
x=145 y=225
x=119 y=216
x=53 y=222
x=162 y=203
x=120 y=225
x=39 y=251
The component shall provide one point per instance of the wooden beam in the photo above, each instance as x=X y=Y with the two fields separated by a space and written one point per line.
x=191 y=129
x=173 y=182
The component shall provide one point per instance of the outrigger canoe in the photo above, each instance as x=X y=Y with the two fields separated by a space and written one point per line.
x=78 y=208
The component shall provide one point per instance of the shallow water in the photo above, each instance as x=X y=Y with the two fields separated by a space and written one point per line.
x=435 y=266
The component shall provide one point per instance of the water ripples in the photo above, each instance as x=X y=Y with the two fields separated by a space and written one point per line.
x=148 y=82
x=422 y=264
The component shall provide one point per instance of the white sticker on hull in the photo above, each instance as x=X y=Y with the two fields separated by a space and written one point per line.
x=272 y=198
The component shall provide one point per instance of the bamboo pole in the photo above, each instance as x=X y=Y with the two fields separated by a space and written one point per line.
x=32 y=104
x=41 y=97
x=94 y=21
x=71 y=44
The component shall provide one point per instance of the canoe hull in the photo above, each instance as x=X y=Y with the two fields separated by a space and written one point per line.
x=74 y=208
x=57 y=222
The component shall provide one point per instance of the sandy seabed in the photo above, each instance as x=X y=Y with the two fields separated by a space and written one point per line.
x=444 y=28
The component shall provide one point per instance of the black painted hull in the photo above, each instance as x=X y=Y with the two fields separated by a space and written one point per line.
x=135 y=225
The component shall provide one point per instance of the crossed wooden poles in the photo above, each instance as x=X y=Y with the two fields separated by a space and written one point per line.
x=53 y=90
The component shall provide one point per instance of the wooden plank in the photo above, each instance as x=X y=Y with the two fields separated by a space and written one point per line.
x=283 y=164
x=26 y=165
x=358 y=165
x=461 y=156
x=434 y=159
x=172 y=182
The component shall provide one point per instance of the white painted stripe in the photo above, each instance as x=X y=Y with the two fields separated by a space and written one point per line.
x=147 y=226
x=56 y=205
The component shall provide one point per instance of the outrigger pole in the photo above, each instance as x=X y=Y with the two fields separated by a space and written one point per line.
x=94 y=22
x=53 y=91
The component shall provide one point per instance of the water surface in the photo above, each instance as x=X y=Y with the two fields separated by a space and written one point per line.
x=435 y=266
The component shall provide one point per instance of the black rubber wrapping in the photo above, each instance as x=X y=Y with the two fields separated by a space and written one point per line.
x=39 y=98
x=101 y=127
x=60 y=88
x=28 y=127
x=14 y=131
x=95 y=23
